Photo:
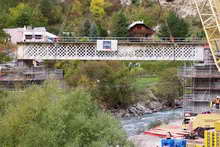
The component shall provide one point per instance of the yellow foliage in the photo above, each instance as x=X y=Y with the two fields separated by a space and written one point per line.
x=97 y=7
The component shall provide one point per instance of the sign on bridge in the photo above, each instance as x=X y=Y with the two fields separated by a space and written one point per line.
x=107 y=45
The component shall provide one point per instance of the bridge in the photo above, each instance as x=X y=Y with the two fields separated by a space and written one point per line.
x=113 y=49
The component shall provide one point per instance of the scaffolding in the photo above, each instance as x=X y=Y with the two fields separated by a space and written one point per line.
x=201 y=83
x=21 y=77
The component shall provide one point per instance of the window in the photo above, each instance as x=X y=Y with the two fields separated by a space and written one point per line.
x=38 y=36
x=28 y=37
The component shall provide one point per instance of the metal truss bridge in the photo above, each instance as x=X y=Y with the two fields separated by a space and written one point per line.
x=113 y=49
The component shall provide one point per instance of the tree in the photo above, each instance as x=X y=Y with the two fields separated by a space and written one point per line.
x=23 y=15
x=96 y=30
x=109 y=82
x=174 y=27
x=3 y=37
x=135 y=2
x=169 y=88
x=101 y=31
x=38 y=19
x=50 y=116
x=51 y=10
x=3 y=20
x=4 y=58
x=24 y=19
x=20 y=16
x=85 y=28
x=138 y=13
x=97 y=8
x=93 y=31
x=120 y=25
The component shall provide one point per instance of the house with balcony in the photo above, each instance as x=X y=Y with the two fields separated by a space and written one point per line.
x=29 y=34
x=139 y=29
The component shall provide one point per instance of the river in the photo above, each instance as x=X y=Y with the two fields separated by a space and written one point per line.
x=134 y=126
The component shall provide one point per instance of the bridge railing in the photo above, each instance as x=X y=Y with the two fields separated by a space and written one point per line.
x=126 y=39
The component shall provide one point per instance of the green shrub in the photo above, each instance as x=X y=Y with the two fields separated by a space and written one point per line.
x=110 y=82
x=169 y=87
x=52 y=117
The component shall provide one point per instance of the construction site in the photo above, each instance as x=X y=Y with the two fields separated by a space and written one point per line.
x=200 y=75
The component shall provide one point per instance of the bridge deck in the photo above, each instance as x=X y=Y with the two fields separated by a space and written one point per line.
x=126 y=50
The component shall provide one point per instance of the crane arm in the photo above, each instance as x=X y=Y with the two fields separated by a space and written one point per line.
x=209 y=13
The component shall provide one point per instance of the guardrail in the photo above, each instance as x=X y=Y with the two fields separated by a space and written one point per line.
x=125 y=39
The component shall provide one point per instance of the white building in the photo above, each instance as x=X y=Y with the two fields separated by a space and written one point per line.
x=29 y=34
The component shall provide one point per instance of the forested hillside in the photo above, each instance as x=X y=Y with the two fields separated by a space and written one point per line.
x=91 y=17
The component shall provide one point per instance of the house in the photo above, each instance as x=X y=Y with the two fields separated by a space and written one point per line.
x=139 y=29
x=29 y=34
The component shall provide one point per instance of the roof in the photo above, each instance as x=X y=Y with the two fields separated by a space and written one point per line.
x=50 y=35
x=138 y=23
x=30 y=30
x=24 y=29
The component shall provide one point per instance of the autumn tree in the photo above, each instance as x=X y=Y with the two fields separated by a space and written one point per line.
x=97 y=8
x=23 y=15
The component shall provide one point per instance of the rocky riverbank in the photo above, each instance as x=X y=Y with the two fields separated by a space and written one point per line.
x=142 y=108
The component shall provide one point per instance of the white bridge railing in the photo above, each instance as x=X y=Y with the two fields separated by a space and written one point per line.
x=129 y=49
x=127 y=39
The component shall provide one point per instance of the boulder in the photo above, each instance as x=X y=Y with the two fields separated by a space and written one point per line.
x=179 y=102
x=155 y=106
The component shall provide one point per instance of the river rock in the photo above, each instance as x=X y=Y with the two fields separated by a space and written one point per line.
x=133 y=111
x=155 y=106
x=148 y=111
x=138 y=109
x=121 y=113
x=179 y=102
